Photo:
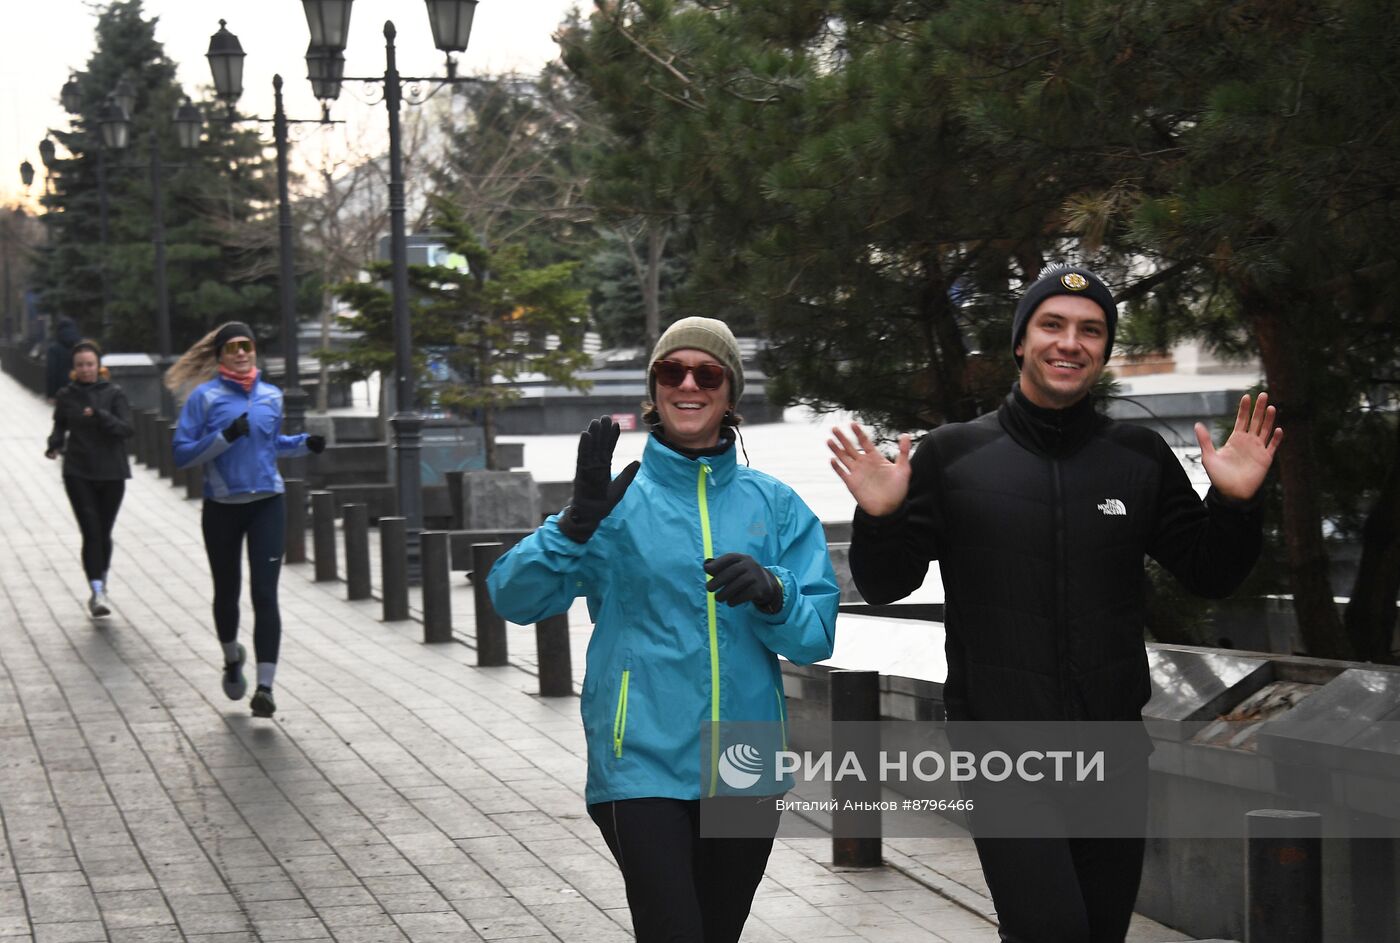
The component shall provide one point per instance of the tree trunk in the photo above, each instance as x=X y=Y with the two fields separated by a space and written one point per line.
x=488 y=434
x=651 y=286
x=1318 y=622
x=1370 y=616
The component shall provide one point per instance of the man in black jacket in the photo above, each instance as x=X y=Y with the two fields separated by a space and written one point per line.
x=1040 y=515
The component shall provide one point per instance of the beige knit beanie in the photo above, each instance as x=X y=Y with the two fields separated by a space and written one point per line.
x=707 y=334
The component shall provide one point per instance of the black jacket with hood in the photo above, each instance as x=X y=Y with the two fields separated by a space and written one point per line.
x=96 y=446
x=1040 y=520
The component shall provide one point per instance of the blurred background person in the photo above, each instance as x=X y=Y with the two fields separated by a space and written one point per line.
x=91 y=423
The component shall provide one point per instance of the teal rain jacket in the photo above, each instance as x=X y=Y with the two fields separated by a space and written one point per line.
x=664 y=656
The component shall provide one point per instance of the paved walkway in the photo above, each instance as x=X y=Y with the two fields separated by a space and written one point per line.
x=401 y=794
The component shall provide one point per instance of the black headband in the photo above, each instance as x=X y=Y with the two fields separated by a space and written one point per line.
x=231 y=330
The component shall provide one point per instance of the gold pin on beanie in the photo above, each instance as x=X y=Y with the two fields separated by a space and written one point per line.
x=709 y=335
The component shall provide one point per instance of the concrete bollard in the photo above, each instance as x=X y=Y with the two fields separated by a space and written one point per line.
x=147 y=420
x=138 y=439
x=393 y=559
x=855 y=834
x=165 y=439
x=556 y=669
x=356 y=517
x=437 y=589
x=295 y=547
x=176 y=475
x=1283 y=876
x=194 y=482
x=323 y=535
x=490 y=627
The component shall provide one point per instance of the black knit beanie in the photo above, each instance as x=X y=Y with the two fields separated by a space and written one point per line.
x=1064 y=280
x=231 y=330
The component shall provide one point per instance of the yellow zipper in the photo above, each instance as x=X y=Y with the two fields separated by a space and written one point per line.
x=705 y=471
x=620 y=718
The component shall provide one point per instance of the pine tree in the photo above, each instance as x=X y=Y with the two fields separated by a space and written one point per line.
x=211 y=193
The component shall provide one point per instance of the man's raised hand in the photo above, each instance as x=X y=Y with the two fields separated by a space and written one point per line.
x=1238 y=467
x=878 y=484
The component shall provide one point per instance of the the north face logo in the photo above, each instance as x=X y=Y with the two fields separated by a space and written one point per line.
x=758 y=529
x=1112 y=507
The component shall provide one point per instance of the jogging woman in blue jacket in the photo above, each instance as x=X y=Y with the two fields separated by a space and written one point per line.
x=699 y=573
x=231 y=424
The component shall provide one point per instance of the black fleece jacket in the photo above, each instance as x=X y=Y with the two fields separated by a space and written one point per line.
x=1040 y=520
x=96 y=446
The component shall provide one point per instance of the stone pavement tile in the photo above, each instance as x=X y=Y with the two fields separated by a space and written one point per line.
x=442 y=921
x=214 y=922
x=358 y=915
x=779 y=909
x=508 y=928
x=485 y=908
x=277 y=928
x=87 y=931
x=390 y=885
x=167 y=933
x=396 y=904
x=265 y=891
x=324 y=897
x=977 y=935
x=579 y=921
x=861 y=916
x=388 y=934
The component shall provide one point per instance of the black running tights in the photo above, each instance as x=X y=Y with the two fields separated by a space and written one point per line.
x=263 y=523
x=682 y=888
x=95 y=505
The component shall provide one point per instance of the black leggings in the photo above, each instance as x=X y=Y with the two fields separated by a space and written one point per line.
x=264 y=523
x=682 y=888
x=1068 y=888
x=95 y=505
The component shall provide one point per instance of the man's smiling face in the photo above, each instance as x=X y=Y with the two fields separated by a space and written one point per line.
x=1062 y=351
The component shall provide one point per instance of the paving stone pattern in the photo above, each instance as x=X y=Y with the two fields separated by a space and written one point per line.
x=401 y=793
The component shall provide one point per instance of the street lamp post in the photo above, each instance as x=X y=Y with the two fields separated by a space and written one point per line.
x=451 y=20
x=226 y=65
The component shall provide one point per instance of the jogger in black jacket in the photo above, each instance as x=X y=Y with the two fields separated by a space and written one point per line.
x=91 y=422
x=1040 y=515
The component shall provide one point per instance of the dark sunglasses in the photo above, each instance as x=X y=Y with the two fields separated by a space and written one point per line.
x=708 y=376
x=233 y=347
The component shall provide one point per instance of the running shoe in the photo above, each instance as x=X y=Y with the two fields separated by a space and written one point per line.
x=235 y=685
x=263 y=705
x=98 y=605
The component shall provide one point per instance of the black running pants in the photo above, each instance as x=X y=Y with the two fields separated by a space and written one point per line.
x=682 y=888
x=263 y=523
x=95 y=505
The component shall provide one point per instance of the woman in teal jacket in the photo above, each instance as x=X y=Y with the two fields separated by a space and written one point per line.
x=698 y=572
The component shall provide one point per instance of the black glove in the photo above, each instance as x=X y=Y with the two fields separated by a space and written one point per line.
x=737 y=578
x=237 y=428
x=316 y=443
x=596 y=493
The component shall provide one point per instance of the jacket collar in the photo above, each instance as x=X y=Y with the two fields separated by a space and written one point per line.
x=665 y=465
x=1053 y=432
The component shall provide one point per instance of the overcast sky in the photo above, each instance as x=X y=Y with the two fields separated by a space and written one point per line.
x=43 y=39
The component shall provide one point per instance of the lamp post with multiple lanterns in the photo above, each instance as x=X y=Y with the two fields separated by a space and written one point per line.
x=226 y=65
x=451 y=21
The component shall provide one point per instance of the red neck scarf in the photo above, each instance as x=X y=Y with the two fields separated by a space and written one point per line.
x=245 y=380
